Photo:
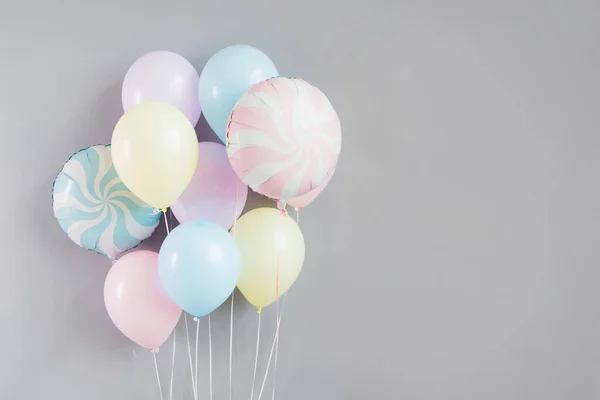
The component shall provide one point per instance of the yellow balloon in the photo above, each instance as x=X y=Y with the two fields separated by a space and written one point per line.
x=155 y=152
x=270 y=245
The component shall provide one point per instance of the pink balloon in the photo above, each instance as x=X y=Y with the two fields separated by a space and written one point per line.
x=304 y=200
x=166 y=77
x=136 y=301
x=284 y=138
x=215 y=193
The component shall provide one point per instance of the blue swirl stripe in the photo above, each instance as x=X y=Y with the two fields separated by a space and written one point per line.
x=95 y=208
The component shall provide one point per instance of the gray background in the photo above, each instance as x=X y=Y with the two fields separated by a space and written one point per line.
x=454 y=256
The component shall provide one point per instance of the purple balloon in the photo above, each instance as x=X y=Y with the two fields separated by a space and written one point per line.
x=166 y=77
x=215 y=193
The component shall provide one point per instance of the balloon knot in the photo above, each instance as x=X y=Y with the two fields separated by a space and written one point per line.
x=284 y=212
x=259 y=310
x=164 y=209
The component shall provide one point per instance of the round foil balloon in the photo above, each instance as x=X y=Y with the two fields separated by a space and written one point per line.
x=284 y=138
x=96 y=209
x=304 y=200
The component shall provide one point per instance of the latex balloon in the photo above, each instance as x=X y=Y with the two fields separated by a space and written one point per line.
x=228 y=75
x=284 y=138
x=95 y=208
x=272 y=252
x=199 y=266
x=136 y=301
x=304 y=200
x=215 y=193
x=166 y=77
x=155 y=152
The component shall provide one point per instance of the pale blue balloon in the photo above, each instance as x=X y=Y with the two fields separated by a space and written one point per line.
x=199 y=266
x=226 y=77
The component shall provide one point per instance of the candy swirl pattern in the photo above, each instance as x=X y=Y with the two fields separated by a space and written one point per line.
x=283 y=138
x=95 y=208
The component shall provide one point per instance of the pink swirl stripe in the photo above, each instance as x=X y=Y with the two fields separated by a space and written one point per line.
x=284 y=138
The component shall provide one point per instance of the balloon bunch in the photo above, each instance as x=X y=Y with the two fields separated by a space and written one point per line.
x=283 y=139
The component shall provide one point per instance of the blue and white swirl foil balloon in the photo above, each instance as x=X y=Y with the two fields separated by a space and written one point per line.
x=95 y=208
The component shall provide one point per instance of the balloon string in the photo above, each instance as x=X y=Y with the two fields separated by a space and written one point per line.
x=235 y=213
x=278 y=319
x=272 y=346
x=256 y=355
x=276 y=336
x=196 y=365
x=187 y=334
x=210 y=377
x=297 y=216
x=157 y=375
x=231 y=346
x=173 y=364
x=166 y=221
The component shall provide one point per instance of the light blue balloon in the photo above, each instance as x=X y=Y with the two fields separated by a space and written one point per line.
x=199 y=266
x=226 y=77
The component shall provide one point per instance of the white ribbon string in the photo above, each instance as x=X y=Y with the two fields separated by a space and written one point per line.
x=196 y=365
x=210 y=377
x=232 y=302
x=231 y=345
x=276 y=337
x=187 y=334
x=256 y=356
x=276 y=340
x=157 y=376
x=272 y=347
x=174 y=331
x=166 y=222
x=173 y=364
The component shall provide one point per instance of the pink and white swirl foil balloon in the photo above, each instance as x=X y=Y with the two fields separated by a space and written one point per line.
x=283 y=138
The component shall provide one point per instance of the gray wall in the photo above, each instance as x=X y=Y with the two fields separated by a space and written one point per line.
x=454 y=256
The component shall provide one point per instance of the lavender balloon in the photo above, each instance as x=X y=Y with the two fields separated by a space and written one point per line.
x=215 y=193
x=165 y=77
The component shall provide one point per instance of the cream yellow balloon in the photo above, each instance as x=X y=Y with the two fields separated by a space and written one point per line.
x=268 y=242
x=155 y=152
